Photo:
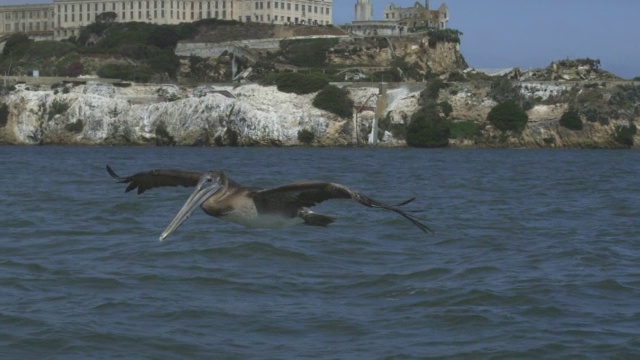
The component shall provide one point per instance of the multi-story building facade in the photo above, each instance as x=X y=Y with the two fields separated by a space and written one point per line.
x=64 y=18
x=418 y=15
x=35 y=19
x=315 y=12
x=397 y=20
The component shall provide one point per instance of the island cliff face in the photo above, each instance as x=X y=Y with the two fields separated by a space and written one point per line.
x=254 y=115
x=96 y=114
x=79 y=112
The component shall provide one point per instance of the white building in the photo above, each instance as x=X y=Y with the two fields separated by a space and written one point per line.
x=364 y=10
x=35 y=19
x=65 y=18
x=314 y=12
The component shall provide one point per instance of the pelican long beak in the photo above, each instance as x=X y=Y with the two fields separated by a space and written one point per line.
x=204 y=190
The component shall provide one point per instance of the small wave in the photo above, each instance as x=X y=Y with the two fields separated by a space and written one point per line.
x=610 y=285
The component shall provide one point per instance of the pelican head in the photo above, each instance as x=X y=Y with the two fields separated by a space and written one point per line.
x=210 y=183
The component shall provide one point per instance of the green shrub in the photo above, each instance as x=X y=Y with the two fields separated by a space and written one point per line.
x=163 y=61
x=58 y=107
x=446 y=108
x=571 y=120
x=432 y=91
x=4 y=115
x=624 y=134
x=426 y=129
x=16 y=45
x=306 y=136
x=75 y=127
x=164 y=36
x=299 y=83
x=445 y=35
x=335 y=100
x=465 y=129
x=508 y=116
x=124 y=72
x=308 y=52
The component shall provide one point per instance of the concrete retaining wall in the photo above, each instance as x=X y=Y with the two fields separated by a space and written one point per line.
x=216 y=49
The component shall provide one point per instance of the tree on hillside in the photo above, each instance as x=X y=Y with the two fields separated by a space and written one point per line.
x=106 y=17
x=16 y=44
x=508 y=116
x=427 y=129
x=571 y=120
x=335 y=100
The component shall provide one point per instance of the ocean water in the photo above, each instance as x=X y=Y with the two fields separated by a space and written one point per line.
x=535 y=254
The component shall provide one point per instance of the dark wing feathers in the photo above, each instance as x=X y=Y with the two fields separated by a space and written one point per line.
x=311 y=193
x=156 y=178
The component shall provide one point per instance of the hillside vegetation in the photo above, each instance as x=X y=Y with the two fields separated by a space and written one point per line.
x=144 y=52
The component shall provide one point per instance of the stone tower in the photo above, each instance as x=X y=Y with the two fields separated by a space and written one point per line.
x=426 y=4
x=364 y=10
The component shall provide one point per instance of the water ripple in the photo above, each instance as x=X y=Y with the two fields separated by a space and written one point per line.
x=534 y=255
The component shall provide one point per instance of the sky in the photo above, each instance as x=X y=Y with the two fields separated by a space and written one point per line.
x=528 y=33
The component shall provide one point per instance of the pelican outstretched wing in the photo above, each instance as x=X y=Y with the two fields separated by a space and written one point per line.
x=308 y=194
x=156 y=178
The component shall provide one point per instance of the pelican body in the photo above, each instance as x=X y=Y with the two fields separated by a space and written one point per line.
x=279 y=207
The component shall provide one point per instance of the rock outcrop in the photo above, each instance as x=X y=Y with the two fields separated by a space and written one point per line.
x=91 y=115
x=253 y=115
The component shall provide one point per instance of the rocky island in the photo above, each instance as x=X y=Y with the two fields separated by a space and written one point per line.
x=427 y=89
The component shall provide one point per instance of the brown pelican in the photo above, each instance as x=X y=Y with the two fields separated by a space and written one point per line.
x=278 y=207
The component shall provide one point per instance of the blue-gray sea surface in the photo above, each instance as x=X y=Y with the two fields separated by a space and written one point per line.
x=536 y=254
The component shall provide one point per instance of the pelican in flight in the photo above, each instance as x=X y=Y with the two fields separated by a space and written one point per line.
x=278 y=207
